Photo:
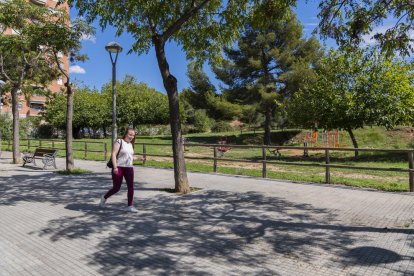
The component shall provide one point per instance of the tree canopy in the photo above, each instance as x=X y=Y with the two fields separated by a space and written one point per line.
x=352 y=91
x=271 y=61
x=25 y=63
x=200 y=27
x=348 y=21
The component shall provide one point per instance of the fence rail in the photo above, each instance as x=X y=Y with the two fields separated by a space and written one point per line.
x=264 y=161
x=31 y=144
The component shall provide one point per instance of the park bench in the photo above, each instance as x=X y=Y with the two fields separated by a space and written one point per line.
x=47 y=156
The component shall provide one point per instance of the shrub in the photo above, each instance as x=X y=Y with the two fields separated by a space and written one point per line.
x=222 y=126
x=150 y=130
x=44 y=132
x=202 y=123
x=6 y=128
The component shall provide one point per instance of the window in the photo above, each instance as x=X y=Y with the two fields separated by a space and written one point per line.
x=36 y=106
x=60 y=81
x=19 y=106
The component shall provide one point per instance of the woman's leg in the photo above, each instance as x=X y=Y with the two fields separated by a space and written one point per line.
x=116 y=182
x=129 y=178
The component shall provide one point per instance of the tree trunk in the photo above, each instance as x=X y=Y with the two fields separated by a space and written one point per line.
x=70 y=166
x=267 y=128
x=16 y=126
x=170 y=84
x=354 y=142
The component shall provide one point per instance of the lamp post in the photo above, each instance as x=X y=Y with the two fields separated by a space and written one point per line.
x=113 y=48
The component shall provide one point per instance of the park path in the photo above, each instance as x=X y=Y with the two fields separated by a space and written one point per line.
x=50 y=224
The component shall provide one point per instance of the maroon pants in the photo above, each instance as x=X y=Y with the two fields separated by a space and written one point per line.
x=128 y=173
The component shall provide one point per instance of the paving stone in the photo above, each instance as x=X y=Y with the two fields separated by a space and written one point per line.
x=51 y=225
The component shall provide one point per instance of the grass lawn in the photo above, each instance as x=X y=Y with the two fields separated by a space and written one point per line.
x=374 y=137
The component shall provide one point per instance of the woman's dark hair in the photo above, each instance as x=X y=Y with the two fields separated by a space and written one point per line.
x=128 y=129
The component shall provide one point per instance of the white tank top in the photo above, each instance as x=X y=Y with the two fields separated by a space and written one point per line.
x=126 y=153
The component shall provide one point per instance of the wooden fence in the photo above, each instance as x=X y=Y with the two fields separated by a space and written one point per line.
x=266 y=149
x=31 y=144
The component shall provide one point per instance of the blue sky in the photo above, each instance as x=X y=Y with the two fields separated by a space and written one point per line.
x=97 y=70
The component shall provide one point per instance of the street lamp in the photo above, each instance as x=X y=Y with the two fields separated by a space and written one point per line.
x=113 y=48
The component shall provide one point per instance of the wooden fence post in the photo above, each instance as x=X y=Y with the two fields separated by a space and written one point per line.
x=327 y=169
x=411 y=166
x=215 y=159
x=86 y=150
x=105 y=151
x=144 y=154
x=264 y=172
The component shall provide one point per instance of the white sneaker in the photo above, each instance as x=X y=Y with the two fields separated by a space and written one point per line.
x=131 y=209
x=102 y=202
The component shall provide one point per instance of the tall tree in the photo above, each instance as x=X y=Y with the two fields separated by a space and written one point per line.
x=352 y=91
x=68 y=45
x=24 y=62
x=201 y=27
x=138 y=103
x=269 y=64
x=348 y=21
x=202 y=95
x=91 y=110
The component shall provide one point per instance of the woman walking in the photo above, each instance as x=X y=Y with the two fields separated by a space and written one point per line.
x=122 y=160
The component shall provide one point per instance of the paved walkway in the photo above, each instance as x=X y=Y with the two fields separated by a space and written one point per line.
x=50 y=224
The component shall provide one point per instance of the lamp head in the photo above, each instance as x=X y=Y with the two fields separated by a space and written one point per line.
x=113 y=47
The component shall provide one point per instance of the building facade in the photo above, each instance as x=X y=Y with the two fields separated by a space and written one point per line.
x=36 y=103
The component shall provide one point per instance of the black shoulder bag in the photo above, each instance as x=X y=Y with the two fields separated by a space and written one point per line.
x=110 y=164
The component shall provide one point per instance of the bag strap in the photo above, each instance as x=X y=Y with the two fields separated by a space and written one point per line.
x=119 y=149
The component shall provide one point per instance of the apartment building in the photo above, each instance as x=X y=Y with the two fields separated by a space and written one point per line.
x=36 y=103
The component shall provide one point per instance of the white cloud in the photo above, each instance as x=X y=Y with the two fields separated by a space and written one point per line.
x=90 y=38
x=311 y=24
x=76 y=69
x=369 y=38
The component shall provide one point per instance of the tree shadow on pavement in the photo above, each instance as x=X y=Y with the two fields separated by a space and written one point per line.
x=230 y=232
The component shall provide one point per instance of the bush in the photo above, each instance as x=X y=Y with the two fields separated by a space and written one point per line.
x=44 y=132
x=6 y=127
x=202 y=123
x=150 y=130
x=29 y=127
x=222 y=126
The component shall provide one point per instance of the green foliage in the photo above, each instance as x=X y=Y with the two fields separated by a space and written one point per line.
x=91 y=110
x=222 y=126
x=25 y=60
x=351 y=91
x=270 y=63
x=202 y=95
x=202 y=123
x=152 y=130
x=44 y=132
x=200 y=27
x=349 y=21
x=6 y=130
x=29 y=127
x=138 y=104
